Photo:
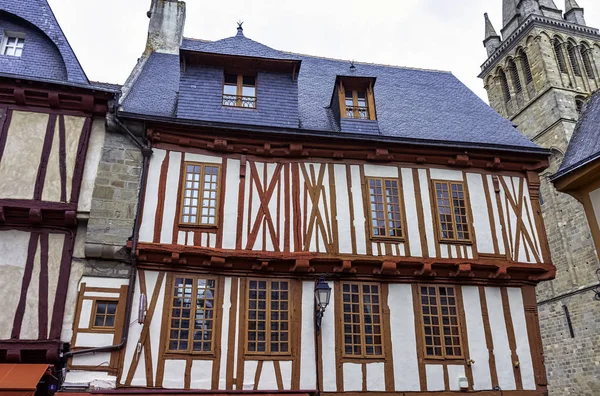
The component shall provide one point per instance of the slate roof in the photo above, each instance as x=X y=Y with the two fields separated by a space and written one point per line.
x=39 y=14
x=412 y=104
x=584 y=146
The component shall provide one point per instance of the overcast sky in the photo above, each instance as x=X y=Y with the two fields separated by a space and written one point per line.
x=109 y=35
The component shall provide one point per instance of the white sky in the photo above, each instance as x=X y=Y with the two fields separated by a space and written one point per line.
x=109 y=35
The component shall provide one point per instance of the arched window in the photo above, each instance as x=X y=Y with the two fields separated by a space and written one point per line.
x=504 y=83
x=560 y=58
x=572 y=50
x=526 y=67
x=514 y=74
x=587 y=60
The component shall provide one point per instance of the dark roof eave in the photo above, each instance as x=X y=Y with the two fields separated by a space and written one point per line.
x=572 y=168
x=337 y=135
x=260 y=58
x=58 y=82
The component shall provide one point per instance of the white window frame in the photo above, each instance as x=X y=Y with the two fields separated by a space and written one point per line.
x=20 y=38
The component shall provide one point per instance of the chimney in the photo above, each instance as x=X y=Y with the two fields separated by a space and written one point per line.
x=165 y=31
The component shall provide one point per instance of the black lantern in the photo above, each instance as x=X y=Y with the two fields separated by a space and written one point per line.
x=597 y=291
x=322 y=295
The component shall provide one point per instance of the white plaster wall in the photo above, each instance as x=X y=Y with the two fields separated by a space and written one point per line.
x=86 y=314
x=404 y=345
x=171 y=198
x=73 y=129
x=427 y=215
x=92 y=340
x=435 y=377
x=230 y=209
x=477 y=342
x=201 y=374
x=151 y=197
x=30 y=327
x=502 y=353
x=250 y=367
x=267 y=380
x=77 y=267
x=454 y=373
x=517 y=314
x=359 y=214
x=479 y=209
x=92 y=160
x=343 y=209
x=286 y=374
x=446 y=174
x=52 y=183
x=156 y=324
x=92 y=359
x=499 y=226
x=375 y=377
x=307 y=347
x=211 y=159
x=225 y=333
x=381 y=171
x=22 y=153
x=174 y=374
x=412 y=219
x=13 y=255
x=352 y=377
x=135 y=330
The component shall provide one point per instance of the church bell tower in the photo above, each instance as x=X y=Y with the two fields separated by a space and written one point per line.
x=539 y=73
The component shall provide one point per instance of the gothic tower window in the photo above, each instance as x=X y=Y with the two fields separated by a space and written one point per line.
x=579 y=103
x=587 y=60
x=560 y=58
x=514 y=74
x=526 y=66
x=572 y=50
x=504 y=83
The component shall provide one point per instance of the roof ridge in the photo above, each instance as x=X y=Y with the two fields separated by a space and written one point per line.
x=369 y=63
x=333 y=59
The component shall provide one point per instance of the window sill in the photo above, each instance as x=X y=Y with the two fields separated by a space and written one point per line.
x=237 y=107
x=455 y=242
x=444 y=361
x=195 y=227
x=355 y=359
x=268 y=356
x=388 y=239
x=178 y=355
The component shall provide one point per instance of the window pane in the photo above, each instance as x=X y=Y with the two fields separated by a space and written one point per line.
x=230 y=89
x=248 y=91
x=249 y=80
x=105 y=314
x=442 y=339
x=362 y=328
x=194 y=188
x=230 y=78
x=268 y=316
x=386 y=217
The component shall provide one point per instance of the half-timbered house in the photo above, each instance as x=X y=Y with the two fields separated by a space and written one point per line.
x=415 y=202
x=48 y=111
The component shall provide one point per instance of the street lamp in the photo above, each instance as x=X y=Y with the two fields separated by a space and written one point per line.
x=322 y=295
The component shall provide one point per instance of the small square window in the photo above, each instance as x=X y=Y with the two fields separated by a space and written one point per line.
x=105 y=313
x=12 y=44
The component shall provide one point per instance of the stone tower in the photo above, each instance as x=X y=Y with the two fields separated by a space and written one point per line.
x=539 y=74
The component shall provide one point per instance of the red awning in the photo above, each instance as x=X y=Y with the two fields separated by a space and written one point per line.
x=20 y=379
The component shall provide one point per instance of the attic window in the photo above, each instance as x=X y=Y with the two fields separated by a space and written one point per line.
x=358 y=101
x=239 y=91
x=12 y=44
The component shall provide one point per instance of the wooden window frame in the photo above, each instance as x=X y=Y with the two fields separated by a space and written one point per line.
x=291 y=330
x=339 y=291
x=401 y=208
x=469 y=217
x=168 y=311
x=239 y=90
x=220 y=182
x=99 y=300
x=356 y=86
x=459 y=318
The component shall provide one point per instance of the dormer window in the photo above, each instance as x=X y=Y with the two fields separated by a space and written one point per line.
x=239 y=91
x=356 y=105
x=12 y=44
x=356 y=98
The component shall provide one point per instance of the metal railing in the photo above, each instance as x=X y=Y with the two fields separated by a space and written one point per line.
x=357 y=112
x=239 y=101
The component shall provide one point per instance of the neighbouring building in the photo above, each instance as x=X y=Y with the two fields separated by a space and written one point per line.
x=538 y=74
x=274 y=175
x=51 y=137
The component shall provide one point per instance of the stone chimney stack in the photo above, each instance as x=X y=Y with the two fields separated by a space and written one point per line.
x=165 y=31
x=574 y=13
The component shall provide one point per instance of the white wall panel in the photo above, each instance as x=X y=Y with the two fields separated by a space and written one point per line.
x=446 y=174
x=174 y=374
x=352 y=377
x=201 y=374
x=225 y=332
x=479 y=210
x=517 y=313
x=381 y=171
x=359 y=214
x=267 y=380
x=151 y=197
x=376 y=377
x=230 y=209
x=86 y=313
x=477 y=342
x=412 y=218
x=343 y=209
x=454 y=373
x=92 y=359
x=171 y=198
x=435 y=377
x=404 y=344
x=286 y=374
x=211 y=159
x=499 y=226
x=502 y=353
x=307 y=348
x=427 y=215
x=94 y=339
x=249 y=373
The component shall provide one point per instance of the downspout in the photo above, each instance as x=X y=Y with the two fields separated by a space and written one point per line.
x=146 y=153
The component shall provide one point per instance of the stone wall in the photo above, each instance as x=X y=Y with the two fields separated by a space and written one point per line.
x=548 y=117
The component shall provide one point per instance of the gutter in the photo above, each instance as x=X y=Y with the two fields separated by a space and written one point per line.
x=343 y=136
x=147 y=153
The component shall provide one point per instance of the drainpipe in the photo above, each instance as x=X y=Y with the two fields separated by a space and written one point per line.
x=147 y=153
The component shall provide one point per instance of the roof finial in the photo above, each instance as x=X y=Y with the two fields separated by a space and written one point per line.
x=240 y=29
x=352 y=67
